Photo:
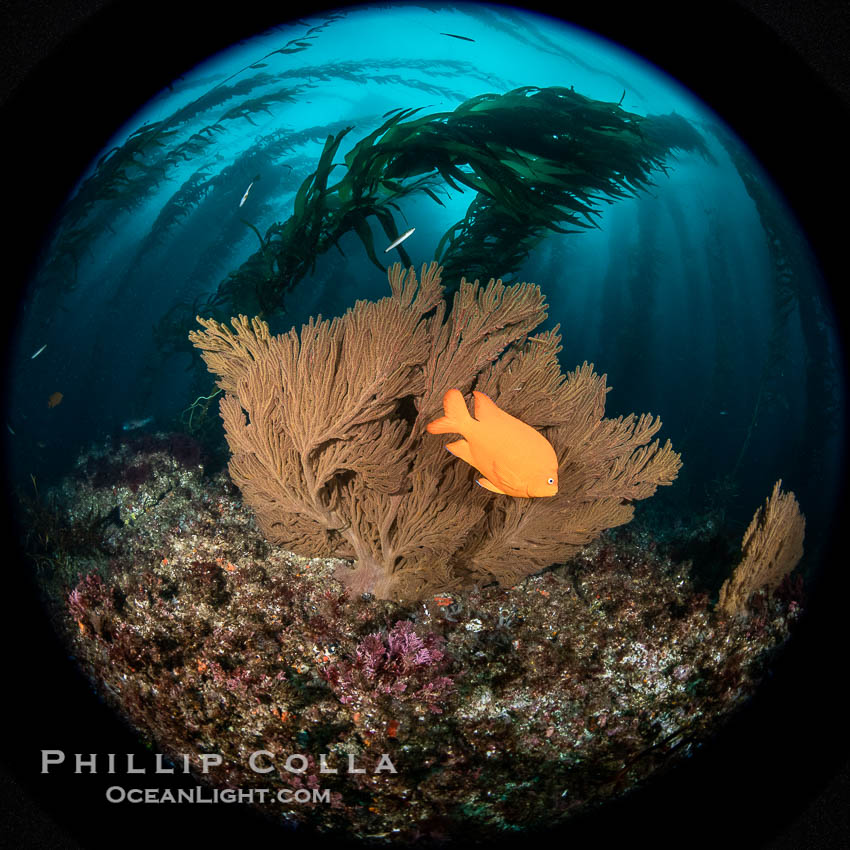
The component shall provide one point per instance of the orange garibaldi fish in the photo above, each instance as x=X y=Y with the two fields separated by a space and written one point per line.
x=515 y=459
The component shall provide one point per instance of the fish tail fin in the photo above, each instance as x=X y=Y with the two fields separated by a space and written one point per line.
x=456 y=418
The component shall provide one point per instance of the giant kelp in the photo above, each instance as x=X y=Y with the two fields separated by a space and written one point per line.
x=549 y=167
x=294 y=45
x=323 y=213
x=630 y=296
x=519 y=28
x=130 y=173
x=327 y=433
x=372 y=70
x=205 y=191
x=537 y=159
x=792 y=289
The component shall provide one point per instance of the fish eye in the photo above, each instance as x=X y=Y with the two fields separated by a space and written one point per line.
x=551 y=480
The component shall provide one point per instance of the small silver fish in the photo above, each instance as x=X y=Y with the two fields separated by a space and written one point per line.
x=133 y=424
x=461 y=37
x=399 y=240
x=245 y=196
x=10 y=429
x=39 y=351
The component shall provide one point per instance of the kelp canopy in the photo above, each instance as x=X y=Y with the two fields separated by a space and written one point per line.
x=537 y=159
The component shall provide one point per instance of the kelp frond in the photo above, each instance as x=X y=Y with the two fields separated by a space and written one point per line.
x=537 y=160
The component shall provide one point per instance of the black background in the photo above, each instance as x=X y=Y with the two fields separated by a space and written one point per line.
x=778 y=72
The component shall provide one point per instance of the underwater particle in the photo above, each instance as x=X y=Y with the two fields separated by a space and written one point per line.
x=400 y=239
x=55 y=399
x=516 y=459
x=39 y=351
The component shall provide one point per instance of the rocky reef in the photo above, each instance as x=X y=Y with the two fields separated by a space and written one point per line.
x=466 y=716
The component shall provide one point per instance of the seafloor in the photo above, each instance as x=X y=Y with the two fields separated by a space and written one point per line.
x=500 y=709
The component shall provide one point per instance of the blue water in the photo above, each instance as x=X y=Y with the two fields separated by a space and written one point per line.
x=673 y=294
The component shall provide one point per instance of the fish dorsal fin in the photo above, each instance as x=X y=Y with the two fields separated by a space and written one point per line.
x=485 y=408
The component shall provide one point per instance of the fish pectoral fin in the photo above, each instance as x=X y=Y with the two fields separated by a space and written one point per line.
x=506 y=480
x=460 y=448
x=489 y=486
